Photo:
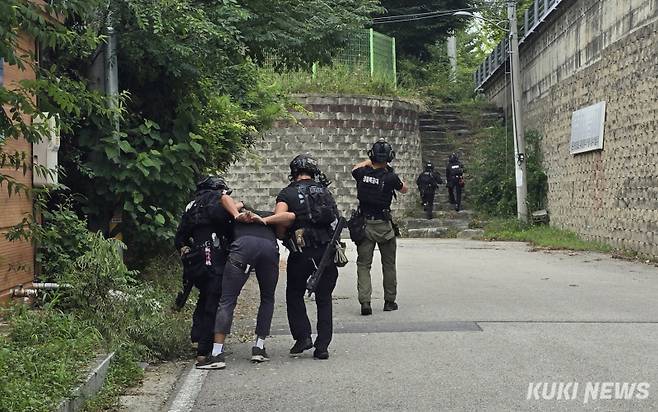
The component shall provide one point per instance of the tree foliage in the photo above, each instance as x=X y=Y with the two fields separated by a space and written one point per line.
x=55 y=91
x=414 y=38
x=298 y=32
x=494 y=186
x=192 y=97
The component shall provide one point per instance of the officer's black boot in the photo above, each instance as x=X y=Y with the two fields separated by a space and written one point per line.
x=321 y=353
x=366 y=309
x=300 y=346
x=390 y=305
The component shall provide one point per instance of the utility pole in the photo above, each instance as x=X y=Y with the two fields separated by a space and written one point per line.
x=517 y=118
x=452 y=56
x=112 y=94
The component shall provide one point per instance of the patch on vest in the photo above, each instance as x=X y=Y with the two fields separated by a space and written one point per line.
x=370 y=180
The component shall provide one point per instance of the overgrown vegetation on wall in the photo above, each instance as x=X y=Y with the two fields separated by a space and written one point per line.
x=493 y=189
x=192 y=98
x=334 y=79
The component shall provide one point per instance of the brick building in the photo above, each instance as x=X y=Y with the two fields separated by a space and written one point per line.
x=16 y=258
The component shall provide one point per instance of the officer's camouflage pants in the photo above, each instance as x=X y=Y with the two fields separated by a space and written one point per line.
x=380 y=233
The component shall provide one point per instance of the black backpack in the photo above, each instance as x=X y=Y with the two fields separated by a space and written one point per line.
x=427 y=182
x=320 y=206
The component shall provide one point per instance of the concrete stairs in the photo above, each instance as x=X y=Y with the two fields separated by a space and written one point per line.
x=445 y=130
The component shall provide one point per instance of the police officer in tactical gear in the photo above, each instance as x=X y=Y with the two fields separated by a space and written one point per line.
x=254 y=246
x=201 y=238
x=427 y=183
x=307 y=238
x=455 y=180
x=376 y=184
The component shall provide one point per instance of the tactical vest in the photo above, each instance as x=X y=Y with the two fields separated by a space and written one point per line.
x=198 y=217
x=371 y=191
x=455 y=170
x=427 y=182
x=314 y=212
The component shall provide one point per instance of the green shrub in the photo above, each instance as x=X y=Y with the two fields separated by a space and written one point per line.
x=122 y=308
x=61 y=239
x=494 y=184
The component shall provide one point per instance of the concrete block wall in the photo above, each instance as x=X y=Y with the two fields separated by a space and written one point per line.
x=598 y=50
x=337 y=131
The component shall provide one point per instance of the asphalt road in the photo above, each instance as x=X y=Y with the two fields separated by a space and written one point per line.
x=478 y=324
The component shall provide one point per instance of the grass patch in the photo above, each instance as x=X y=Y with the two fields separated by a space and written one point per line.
x=45 y=352
x=336 y=79
x=42 y=357
x=124 y=373
x=540 y=236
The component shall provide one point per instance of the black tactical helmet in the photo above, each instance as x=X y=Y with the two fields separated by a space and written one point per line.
x=453 y=158
x=429 y=166
x=304 y=163
x=381 y=152
x=212 y=183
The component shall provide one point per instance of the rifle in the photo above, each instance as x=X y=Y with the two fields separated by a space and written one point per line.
x=327 y=258
x=183 y=295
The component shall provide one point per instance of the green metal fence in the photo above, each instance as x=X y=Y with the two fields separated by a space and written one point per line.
x=370 y=50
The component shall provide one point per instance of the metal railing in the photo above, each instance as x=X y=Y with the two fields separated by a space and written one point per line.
x=532 y=18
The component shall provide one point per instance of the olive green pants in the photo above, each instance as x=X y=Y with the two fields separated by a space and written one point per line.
x=380 y=233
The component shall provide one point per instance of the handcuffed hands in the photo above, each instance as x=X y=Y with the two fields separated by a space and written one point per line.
x=249 y=217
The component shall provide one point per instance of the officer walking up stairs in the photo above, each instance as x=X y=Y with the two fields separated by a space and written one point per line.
x=376 y=185
x=455 y=180
x=427 y=183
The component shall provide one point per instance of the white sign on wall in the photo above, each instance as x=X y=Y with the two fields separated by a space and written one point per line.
x=587 y=126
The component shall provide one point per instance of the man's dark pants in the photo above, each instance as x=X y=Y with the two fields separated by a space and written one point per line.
x=455 y=194
x=300 y=267
x=428 y=203
x=263 y=256
x=203 y=319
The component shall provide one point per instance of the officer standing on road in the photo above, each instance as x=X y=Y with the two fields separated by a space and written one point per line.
x=307 y=239
x=376 y=184
x=455 y=180
x=201 y=239
x=427 y=183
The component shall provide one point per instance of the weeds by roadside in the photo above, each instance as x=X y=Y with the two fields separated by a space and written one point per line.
x=540 y=236
x=105 y=307
x=42 y=356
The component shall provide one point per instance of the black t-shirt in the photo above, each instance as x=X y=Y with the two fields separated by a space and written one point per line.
x=375 y=188
x=254 y=229
x=290 y=195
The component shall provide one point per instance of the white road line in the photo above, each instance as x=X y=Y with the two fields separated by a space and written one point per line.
x=186 y=396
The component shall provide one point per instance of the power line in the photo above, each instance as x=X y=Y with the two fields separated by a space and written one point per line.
x=417 y=16
x=420 y=14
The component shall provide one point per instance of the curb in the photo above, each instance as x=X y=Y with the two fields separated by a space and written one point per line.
x=90 y=387
x=184 y=393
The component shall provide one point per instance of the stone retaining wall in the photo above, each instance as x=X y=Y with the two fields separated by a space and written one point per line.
x=337 y=131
